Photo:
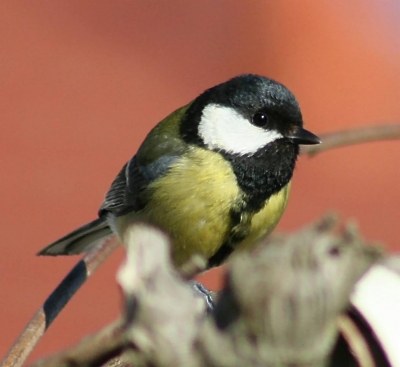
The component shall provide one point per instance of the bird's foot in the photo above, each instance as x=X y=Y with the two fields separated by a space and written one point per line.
x=201 y=291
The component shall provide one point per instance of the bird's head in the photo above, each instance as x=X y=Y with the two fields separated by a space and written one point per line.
x=244 y=116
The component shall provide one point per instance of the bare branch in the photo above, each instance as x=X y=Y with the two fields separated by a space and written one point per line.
x=351 y=137
x=281 y=303
x=111 y=340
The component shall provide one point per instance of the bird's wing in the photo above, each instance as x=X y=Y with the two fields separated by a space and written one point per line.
x=161 y=148
x=115 y=196
x=124 y=194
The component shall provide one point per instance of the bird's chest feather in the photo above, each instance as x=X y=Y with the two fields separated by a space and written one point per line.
x=194 y=202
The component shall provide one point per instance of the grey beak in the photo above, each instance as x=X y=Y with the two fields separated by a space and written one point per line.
x=303 y=137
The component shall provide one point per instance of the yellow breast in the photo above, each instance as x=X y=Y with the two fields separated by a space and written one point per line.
x=192 y=204
x=193 y=201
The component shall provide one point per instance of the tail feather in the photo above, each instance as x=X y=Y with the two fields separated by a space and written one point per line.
x=80 y=240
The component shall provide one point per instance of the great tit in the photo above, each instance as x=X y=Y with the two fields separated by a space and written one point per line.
x=215 y=174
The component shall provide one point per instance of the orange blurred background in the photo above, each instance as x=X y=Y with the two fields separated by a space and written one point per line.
x=82 y=82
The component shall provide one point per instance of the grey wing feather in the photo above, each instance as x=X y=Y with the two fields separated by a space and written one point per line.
x=155 y=169
x=124 y=194
x=115 y=196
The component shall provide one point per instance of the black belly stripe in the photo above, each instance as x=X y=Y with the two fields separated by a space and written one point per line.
x=259 y=177
x=220 y=256
x=236 y=235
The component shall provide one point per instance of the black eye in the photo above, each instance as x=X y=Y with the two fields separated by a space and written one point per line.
x=260 y=119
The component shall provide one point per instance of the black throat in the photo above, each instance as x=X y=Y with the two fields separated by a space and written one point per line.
x=264 y=173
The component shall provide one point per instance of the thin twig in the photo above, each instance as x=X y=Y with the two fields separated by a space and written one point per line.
x=57 y=300
x=351 y=137
x=93 y=350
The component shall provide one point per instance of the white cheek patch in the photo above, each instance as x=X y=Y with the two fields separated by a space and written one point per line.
x=223 y=128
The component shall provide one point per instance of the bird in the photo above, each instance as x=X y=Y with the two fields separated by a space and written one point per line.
x=215 y=174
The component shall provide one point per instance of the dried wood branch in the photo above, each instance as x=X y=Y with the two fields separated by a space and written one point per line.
x=279 y=307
